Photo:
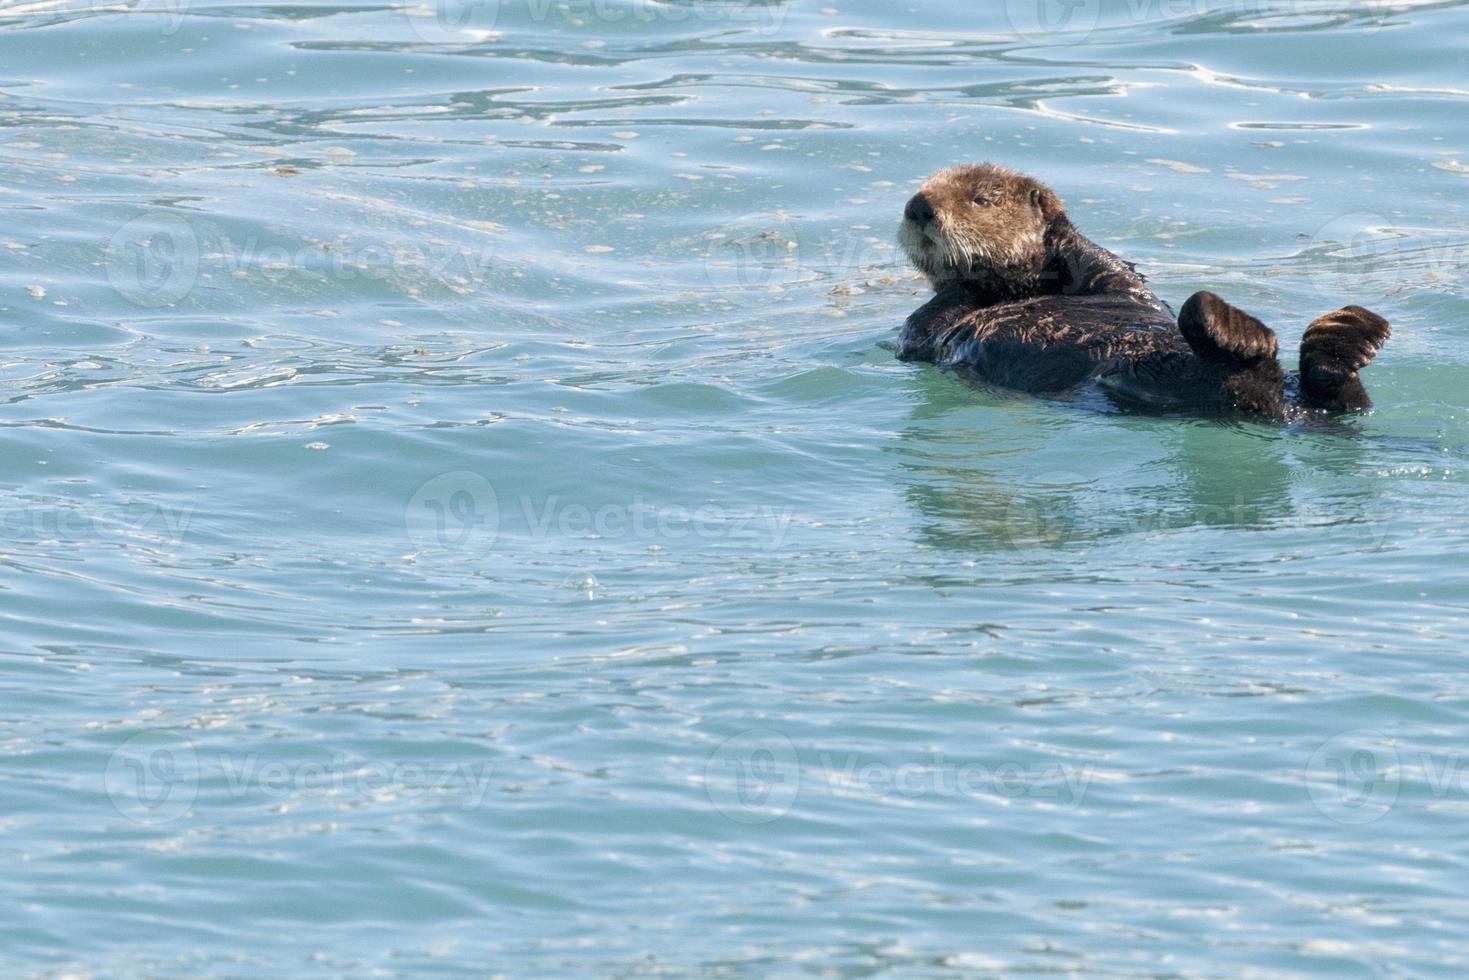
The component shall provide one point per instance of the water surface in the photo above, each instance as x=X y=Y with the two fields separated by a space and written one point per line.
x=461 y=511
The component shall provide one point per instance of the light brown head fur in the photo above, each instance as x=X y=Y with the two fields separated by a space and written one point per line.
x=981 y=223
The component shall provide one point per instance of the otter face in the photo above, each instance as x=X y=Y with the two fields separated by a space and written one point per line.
x=978 y=223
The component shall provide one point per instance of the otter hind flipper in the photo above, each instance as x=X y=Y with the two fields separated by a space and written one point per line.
x=1334 y=348
x=1218 y=332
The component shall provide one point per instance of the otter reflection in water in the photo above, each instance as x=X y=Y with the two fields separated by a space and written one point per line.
x=1026 y=301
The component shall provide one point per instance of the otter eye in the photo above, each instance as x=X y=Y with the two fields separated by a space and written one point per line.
x=981 y=200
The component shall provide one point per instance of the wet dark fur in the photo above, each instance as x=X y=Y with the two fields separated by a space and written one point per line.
x=1026 y=301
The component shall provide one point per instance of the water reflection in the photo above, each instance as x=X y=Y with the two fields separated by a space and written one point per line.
x=992 y=471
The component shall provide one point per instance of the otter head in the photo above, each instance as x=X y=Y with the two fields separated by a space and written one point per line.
x=981 y=223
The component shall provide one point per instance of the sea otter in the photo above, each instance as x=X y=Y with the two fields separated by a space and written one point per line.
x=1026 y=301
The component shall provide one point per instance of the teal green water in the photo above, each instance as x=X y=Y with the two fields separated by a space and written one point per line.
x=462 y=513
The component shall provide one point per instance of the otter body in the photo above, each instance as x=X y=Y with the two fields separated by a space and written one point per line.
x=1041 y=344
x=1024 y=300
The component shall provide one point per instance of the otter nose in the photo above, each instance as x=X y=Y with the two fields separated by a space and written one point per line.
x=919 y=211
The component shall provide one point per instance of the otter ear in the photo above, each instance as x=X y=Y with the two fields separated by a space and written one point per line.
x=1218 y=332
x=1044 y=200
